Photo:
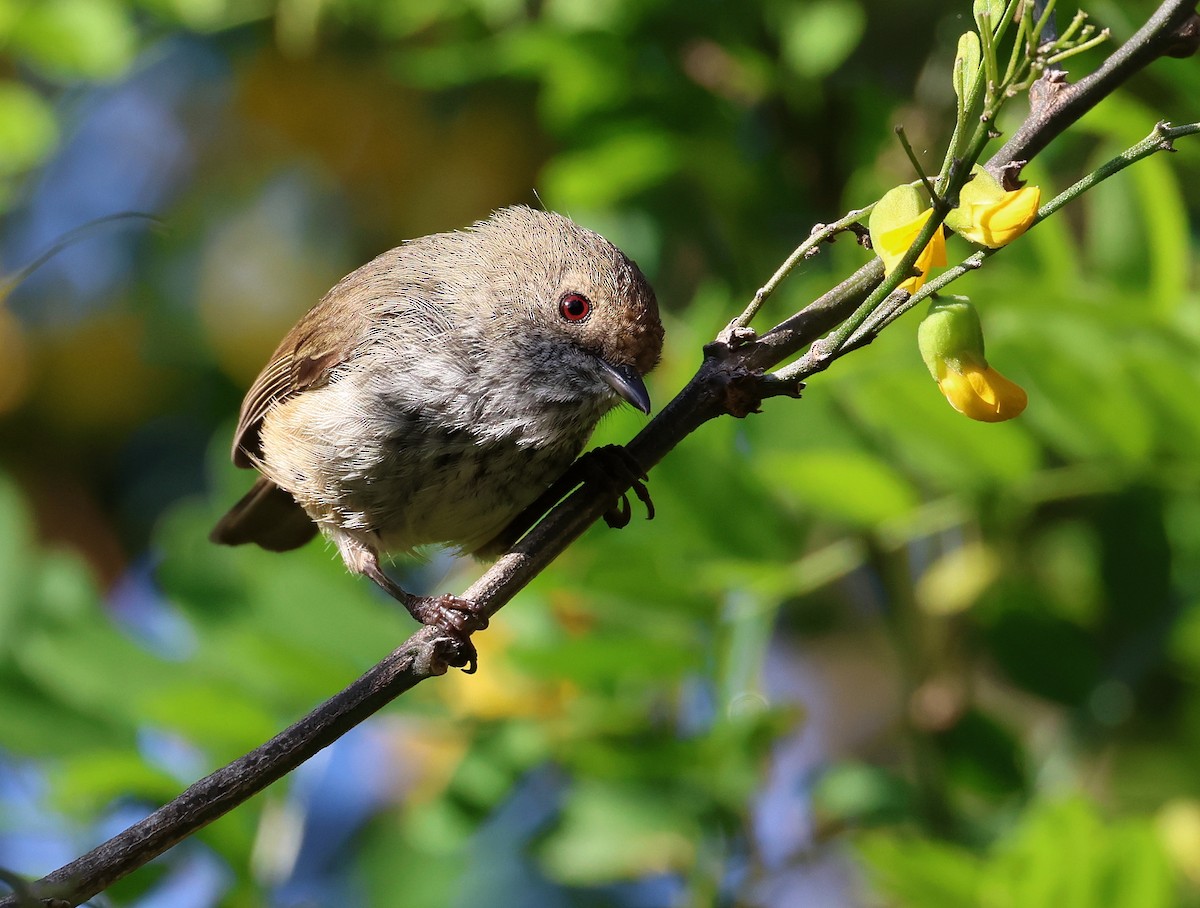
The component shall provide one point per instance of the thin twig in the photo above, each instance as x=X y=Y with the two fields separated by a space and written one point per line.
x=820 y=234
x=916 y=164
x=10 y=281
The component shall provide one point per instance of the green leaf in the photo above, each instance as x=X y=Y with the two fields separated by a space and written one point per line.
x=932 y=440
x=391 y=849
x=585 y=15
x=90 y=780
x=966 y=65
x=1040 y=652
x=844 y=485
x=68 y=39
x=861 y=793
x=10 y=11
x=28 y=130
x=597 y=80
x=918 y=873
x=594 y=659
x=14 y=558
x=1064 y=855
x=611 y=832
x=817 y=37
x=1054 y=245
x=65 y=591
x=210 y=15
x=982 y=755
x=610 y=171
x=90 y=666
x=220 y=716
x=35 y=724
x=1087 y=408
x=988 y=13
x=1159 y=241
x=1059 y=855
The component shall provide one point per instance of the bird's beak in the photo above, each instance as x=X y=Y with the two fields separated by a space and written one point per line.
x=626 y=382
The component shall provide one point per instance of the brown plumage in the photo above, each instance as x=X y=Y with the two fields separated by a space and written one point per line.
x=437 y=390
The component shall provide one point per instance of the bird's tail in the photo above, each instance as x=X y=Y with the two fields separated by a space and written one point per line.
x=267 y=516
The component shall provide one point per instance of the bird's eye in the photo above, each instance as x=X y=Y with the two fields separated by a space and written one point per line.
x=574 y=307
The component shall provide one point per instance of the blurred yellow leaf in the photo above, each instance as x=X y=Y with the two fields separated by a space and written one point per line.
x=955 y=581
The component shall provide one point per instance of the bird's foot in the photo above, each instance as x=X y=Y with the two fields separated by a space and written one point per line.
x=613 y=463
x=457 y=618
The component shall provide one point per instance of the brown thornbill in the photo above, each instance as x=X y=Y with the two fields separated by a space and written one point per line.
x=437 y=391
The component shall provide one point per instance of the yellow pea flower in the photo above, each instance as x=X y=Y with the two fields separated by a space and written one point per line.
x=895 y=242
x=951 y=342
x=982 y=393
x=989 y=215
x=896 y=221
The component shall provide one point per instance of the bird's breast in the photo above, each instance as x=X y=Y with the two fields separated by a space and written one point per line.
x=418 y=466
x=456 y=490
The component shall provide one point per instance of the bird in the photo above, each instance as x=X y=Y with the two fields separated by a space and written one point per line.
x=433 y=394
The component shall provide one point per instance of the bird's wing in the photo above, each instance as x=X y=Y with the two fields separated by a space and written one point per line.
x=321 y=341
x=398 y=285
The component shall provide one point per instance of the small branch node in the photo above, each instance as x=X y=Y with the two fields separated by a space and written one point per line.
x=1045 y=91
x=1166 y=139
x=1010 y=175
x=434 y=656
x=732 y=337
x=1186 y=39
x=743 y=393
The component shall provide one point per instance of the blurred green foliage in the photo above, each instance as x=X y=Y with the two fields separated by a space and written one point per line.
x=1059 y=854
x=954 y=663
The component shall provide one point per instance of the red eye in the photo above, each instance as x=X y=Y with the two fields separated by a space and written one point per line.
x=575 y=307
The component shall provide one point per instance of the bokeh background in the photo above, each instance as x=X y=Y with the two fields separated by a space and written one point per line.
x=869 y=653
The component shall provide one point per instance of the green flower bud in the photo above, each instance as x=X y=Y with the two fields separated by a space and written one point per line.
x=951 y=336
x=966 y=65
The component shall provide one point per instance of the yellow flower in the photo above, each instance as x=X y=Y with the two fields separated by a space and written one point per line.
x=894 y=243
x=951 y=342
x=990 y=216
x=982 y=393
x=505 y=692
x=896 y=221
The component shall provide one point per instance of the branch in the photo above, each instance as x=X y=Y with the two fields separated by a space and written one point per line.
x=730 y=381
x=1055 y=104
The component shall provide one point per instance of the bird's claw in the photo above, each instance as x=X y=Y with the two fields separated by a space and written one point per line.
x=619 y=515
x=458 y=619
x=610 y=465
x=616 y=464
